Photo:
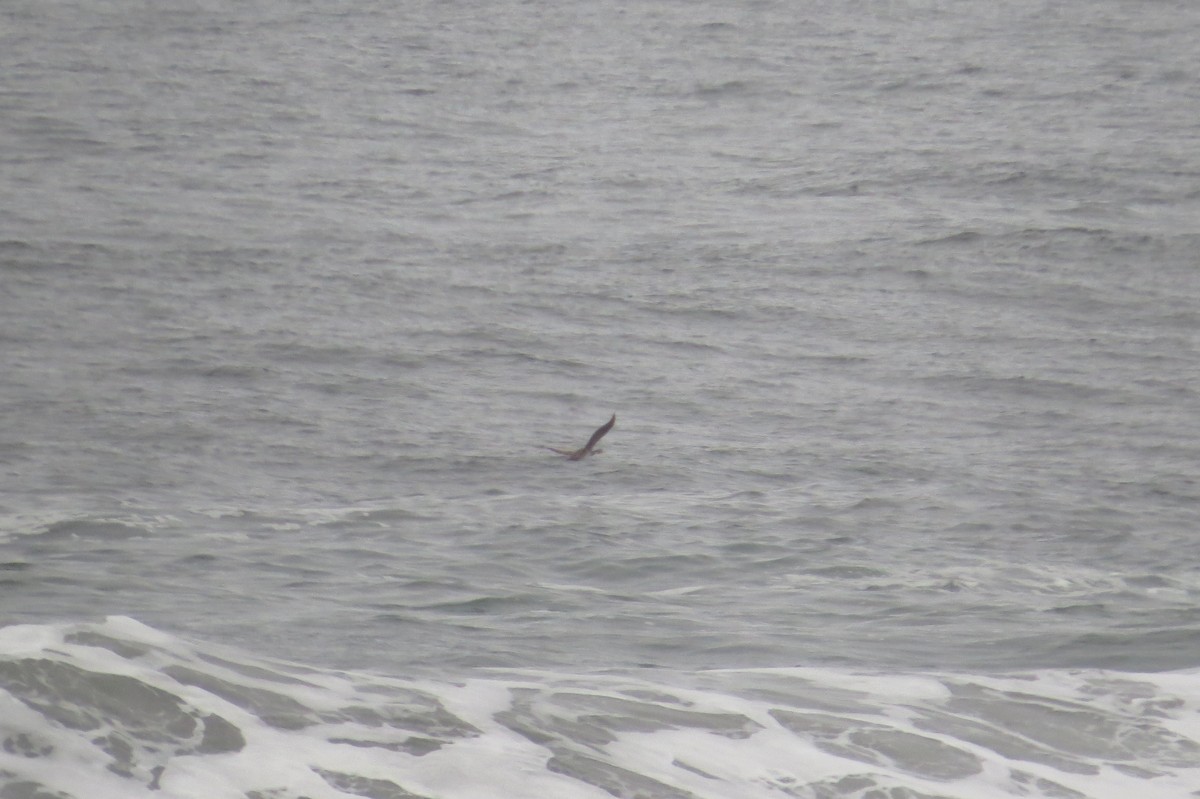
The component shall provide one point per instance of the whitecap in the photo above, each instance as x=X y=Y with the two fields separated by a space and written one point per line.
x=119 y=709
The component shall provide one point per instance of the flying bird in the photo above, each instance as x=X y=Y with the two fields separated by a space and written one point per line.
x=580 y=454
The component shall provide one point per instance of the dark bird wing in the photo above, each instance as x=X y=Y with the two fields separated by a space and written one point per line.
x=586 y=450
x=599 y=434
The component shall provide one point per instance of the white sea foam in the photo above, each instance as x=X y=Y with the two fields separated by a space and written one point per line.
x=119 y=709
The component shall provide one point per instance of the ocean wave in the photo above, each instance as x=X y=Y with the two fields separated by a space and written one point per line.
x=118 y=709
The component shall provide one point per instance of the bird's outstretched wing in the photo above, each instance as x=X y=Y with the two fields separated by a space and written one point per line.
x=599 y=434
x=580 y=454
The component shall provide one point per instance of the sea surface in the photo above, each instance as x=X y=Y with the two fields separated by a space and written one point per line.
x=897 y=304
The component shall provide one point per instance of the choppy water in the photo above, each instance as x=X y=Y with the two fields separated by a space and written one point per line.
x=896 y=304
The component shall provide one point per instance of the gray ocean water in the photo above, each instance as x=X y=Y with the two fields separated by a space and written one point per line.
x=896 y=303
